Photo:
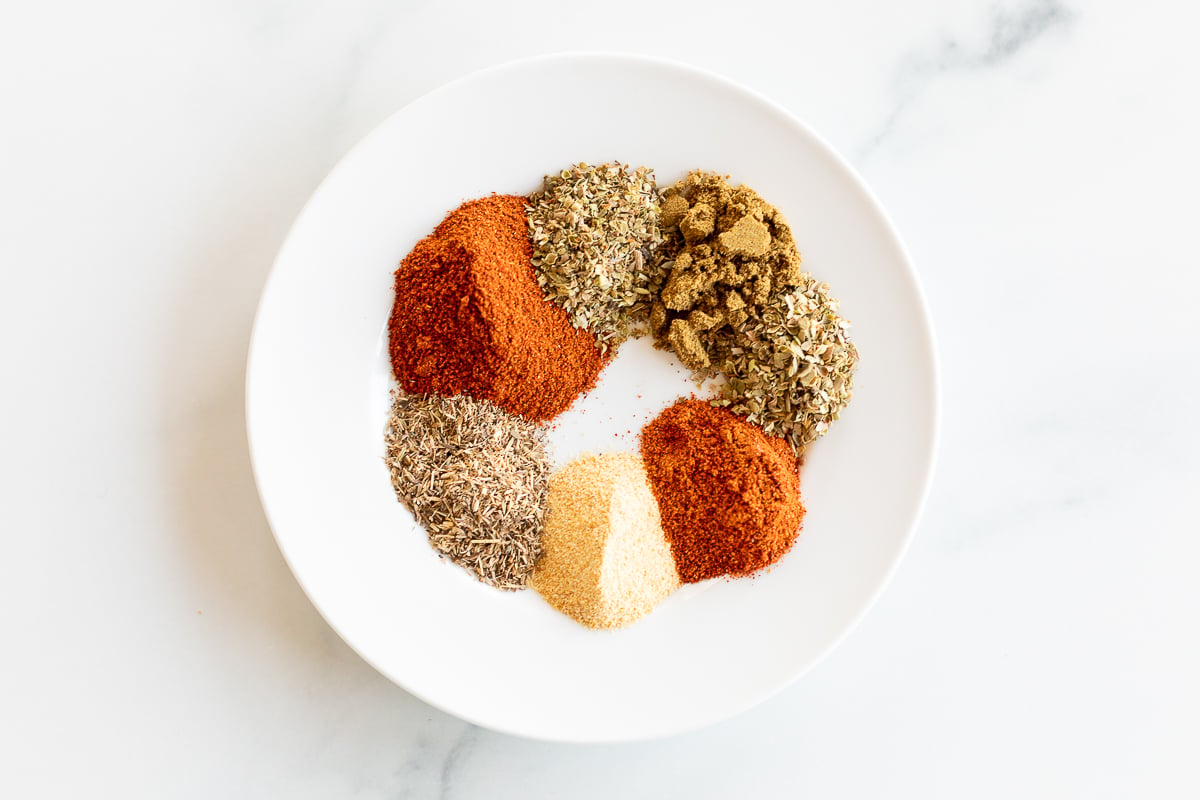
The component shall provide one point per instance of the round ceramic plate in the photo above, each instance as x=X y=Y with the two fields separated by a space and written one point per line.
x=317 y=399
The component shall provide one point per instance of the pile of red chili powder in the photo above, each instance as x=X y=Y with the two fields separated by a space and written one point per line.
x=470 y=319
x=728 y=493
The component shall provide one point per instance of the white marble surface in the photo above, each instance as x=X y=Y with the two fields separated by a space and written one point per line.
x=1040 y=639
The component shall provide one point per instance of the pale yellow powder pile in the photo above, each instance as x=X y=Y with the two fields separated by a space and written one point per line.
x=605 y=561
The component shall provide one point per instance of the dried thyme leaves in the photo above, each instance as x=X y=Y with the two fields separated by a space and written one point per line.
x=593 y=230
x=476 y=477
x=731 y=298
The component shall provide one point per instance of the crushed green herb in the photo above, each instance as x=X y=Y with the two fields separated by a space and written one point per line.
x=593 y=229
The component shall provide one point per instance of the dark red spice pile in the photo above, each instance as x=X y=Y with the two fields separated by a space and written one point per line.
x=470 y=319
x=728 y=493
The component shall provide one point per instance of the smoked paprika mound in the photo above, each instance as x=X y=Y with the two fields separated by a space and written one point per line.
x=729 y=495
x=470 y=319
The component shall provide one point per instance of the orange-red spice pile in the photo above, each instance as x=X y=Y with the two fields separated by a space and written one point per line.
x=728 y=493
x=470 y=319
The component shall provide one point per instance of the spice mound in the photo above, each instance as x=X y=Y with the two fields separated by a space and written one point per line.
x=470 y=319
x=476 y=477
x=733 y=300
x=605 y=560
x=593 y=229
x=729 y=494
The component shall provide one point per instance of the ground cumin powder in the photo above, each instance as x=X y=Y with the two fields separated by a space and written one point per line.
x=727 y=253
x=728 y=494
x=470 y=319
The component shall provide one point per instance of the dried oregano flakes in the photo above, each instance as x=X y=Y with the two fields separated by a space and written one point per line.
x=791 y=368
x=593 y=230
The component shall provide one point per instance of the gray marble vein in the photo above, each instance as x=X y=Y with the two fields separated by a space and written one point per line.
x=454 y=759
x=1010 y=32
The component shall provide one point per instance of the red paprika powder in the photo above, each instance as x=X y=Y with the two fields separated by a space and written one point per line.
x=729 y=494
x=469 y=317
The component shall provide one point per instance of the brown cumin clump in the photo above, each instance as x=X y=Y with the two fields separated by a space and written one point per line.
x=476 y=477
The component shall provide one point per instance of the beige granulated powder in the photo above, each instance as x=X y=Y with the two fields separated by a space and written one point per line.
x=605 y=560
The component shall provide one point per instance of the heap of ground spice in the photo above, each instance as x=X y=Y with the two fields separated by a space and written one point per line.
x=726 y=251
x=729 y=495
x=470 y=319
x=605 y=561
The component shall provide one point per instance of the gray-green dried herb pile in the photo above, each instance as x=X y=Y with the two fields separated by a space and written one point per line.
x=593 y=230
x=476 y=477
x=791 y=368
x=731 y=298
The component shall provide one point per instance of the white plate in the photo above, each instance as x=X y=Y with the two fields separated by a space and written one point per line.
x=317 y=396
